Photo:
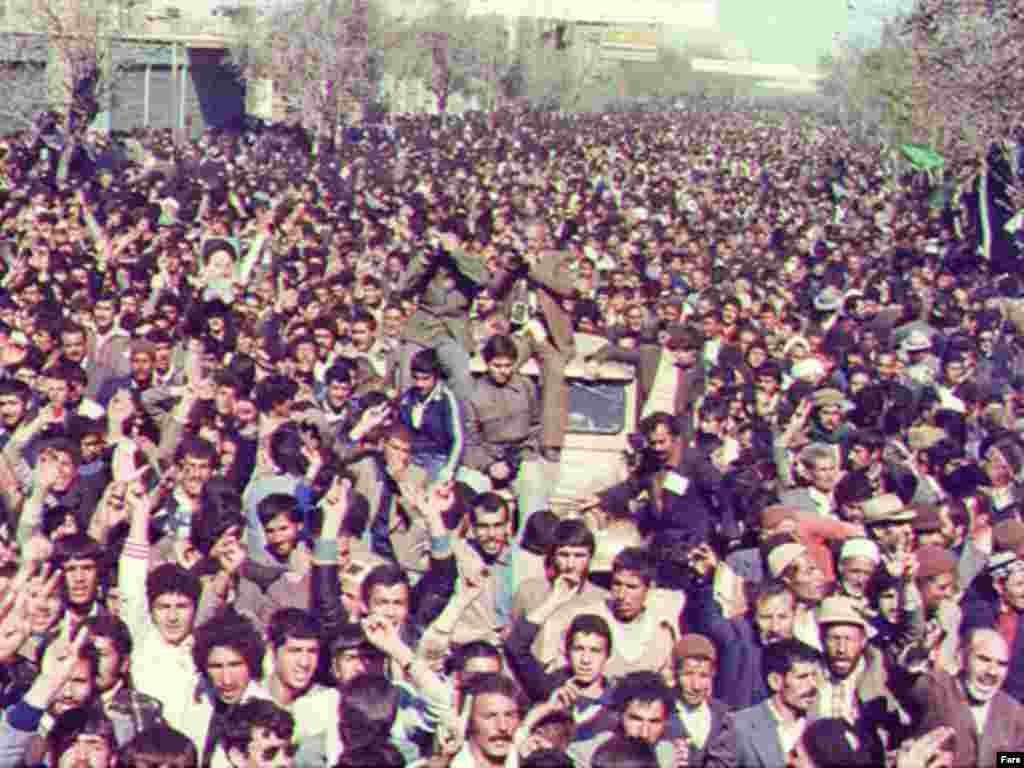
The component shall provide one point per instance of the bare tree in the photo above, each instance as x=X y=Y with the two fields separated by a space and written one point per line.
x=61 y=72
x=867 y=85
x=318 y=55
x=968 y=74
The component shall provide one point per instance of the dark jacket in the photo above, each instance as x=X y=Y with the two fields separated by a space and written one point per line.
x=740 y=680
x=696 y=506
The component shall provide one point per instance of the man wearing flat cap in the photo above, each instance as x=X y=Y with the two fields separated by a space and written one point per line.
x=828 y=421
x=935 y=579
x=890 y=524
x=703 y=720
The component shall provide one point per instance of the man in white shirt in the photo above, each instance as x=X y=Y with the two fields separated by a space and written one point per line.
x=705 y=725
x=228 y=651
x=295 y=646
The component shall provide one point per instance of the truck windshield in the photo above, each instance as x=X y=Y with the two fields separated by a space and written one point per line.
x=597 y=407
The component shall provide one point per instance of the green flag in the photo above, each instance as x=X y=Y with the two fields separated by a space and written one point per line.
x=921 y=157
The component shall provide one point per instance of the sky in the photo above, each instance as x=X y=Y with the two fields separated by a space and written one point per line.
x=793 y=32
x=797 y=32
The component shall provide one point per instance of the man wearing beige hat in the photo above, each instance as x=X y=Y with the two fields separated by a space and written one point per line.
x=855 y=685
x=794 y=566
x=890 y=524
x=923 y=366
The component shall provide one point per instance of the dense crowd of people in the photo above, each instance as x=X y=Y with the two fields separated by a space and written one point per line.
x=261 y=507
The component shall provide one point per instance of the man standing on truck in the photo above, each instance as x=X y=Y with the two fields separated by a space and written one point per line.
x=503 y=421
x=548 y=282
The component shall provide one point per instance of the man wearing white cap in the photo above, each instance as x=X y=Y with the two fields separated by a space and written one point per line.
x=923 y=366
x=858 y=560
x=794 y=566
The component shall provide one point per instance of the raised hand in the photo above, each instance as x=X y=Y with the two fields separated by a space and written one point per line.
x=451 y=736
x=123 y=468
x=57 y=666
x=335 y=506
x=381 y=634
x=439 y=502
x=927 y=752
x=703 y=560
x=15 y=623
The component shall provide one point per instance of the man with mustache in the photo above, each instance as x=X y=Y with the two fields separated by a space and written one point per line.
x=494 y=716
x=1001 y=611
x=766 y=733
x=855 y=685
x=66 y=682
x=228 y=652
x=743 y=640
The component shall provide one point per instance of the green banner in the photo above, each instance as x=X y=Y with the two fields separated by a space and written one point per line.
x=921 y=157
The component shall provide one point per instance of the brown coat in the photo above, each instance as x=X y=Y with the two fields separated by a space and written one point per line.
x=943 y=702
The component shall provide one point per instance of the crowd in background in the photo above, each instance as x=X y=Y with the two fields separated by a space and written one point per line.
x=276 y=490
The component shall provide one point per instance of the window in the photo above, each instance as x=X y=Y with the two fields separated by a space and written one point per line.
x=597 y=408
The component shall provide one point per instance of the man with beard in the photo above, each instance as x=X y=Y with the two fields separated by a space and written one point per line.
x=644 y=706
x=503 y=428
x=984 y=718
x=743 y=641
x=487 y=551
x=195 y=461
x=855 y=686
x=767 y=732
x=644 y=620
x=858 y=561
x=108 y=346
x=15 y=397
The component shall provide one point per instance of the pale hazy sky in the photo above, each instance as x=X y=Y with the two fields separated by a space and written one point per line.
x=798 y=31
x=784 y=31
